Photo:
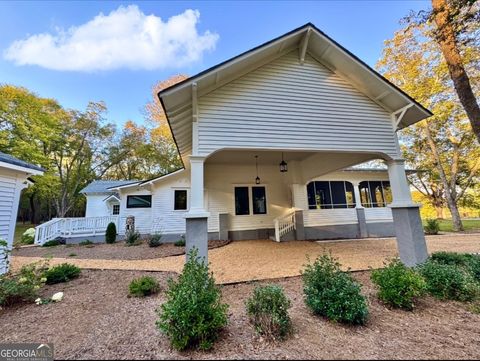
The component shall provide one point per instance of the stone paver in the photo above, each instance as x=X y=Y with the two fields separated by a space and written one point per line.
x=264 y=259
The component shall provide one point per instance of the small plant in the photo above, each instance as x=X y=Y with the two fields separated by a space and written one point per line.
x=193 y=315
x=28 y=236
x=449 y=282
x=86 y=242
x=268 y=312
x=399 y=286
x=155 y=240
x=181 y=242
x=132 y=238
x=432 y=226
x=61 y=273
x=468 y=262
x=332 y=293
x=23 y=286
x=143 y=286
x=111 y=233
x=52 y=243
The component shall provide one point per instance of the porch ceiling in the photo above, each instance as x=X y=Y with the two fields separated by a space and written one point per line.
x=248 y=157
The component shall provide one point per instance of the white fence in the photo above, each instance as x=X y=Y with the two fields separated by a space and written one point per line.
x=73 y=227
x=283 y=225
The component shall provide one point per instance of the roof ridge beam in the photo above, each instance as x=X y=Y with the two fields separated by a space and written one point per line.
x=303 y=48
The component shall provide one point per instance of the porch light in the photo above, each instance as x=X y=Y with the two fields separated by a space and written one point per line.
x=283 y=165
x=257 y=180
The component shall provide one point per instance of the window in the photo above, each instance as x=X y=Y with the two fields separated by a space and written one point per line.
x=139 y=201
x=330 y=194
x=180 y=202
x=242 y=206
x=375 y=193
x=116 y=209
x=259 y=200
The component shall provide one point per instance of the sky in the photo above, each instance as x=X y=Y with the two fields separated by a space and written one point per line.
x=115 y=51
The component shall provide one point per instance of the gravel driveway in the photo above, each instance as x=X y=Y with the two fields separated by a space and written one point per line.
x=264 y=259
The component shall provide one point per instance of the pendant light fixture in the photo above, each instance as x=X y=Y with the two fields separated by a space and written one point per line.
x=283 y=165
x=257 y=180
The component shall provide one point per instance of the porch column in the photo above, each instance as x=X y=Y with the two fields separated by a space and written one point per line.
x=196 y=218
x=362 y=221
x=406 y=217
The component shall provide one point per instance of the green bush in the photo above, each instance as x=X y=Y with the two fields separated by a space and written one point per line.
x=111 y=233
x=132 y=238
x=398 y=285
x=193 y=315
x=469 y=262
x=432 y=226
x=268 y=311
x=155 y=240
x=449 y=282
x=180 y=242
x=86 y=242
x=62 y=273
x=332 y=293
x=143 y=286
x=52 y=243
x=28 y=237
x=21 y=287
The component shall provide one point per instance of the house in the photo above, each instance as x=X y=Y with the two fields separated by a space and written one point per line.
x=14 y=176
x=267 y=138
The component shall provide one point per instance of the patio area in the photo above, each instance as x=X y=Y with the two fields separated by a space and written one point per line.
x=245 y=261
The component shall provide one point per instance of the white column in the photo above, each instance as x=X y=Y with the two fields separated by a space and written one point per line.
x=356 y=192
x=197 y=207
x=399 y=183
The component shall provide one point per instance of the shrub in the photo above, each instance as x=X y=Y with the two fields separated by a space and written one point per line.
x=61 y=273
x=449 y=282
x=52 y=243
x=469 y=262
x=86 y=242
x=180 y=242
x=193 y=315
x=132 y=238
x=22 y=287
x=111 y=233
x=398 y=285
x=155 y=240
x=333 y=294
x=268 y=311
x=28 y=237
x=143 y=286
x=432 y=226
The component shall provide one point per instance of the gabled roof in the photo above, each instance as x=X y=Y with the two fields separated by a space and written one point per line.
x=149 y=181
x=177 y=99
x=11 y=162
x=102 y=186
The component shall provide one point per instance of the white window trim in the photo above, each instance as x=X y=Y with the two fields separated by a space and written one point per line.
x=173 y=199
x=250 y=200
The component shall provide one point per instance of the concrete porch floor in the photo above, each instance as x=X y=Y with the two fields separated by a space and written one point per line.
x=244 y=261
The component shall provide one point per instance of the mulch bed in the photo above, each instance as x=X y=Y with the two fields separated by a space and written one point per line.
x=117 y=250
x=96 y=319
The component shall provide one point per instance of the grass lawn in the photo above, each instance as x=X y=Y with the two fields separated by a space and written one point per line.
x=19 y=230
x=468 y=224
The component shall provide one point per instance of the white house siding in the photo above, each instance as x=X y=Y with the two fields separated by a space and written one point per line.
x=143 y=216
x=96 y=207
x=11 y=184
x=374 y=215
x=285 y=105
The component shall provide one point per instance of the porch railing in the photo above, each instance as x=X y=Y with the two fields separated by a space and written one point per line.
x=284 y=224
x=72 y=227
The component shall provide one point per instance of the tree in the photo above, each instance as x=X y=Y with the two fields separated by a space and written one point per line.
x=455 y=22
x=443 y=146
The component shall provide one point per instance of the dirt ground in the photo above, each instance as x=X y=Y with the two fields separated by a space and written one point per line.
x=118 y=250
x=96 y=319
x=264 y=259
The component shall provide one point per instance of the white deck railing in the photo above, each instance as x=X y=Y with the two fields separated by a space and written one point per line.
x=284 y=224
x=72 y=227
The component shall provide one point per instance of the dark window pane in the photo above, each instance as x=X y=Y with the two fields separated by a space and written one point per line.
x=365 y=194
x=338 y=194
x=376 y=193
x=116 y=209
x=312 y=204
x=259 y=200
x=241 y=201
x=387 y=192
x=180 y=200
x=139 y=201
x=350 y=195
x=323 y=197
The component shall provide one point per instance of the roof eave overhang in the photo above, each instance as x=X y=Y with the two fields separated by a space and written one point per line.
x=18 y=168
